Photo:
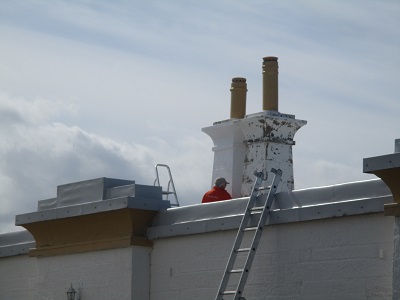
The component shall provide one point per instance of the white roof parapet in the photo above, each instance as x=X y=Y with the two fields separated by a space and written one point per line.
x=90 y=208
x=16 y=243
x=339 y=200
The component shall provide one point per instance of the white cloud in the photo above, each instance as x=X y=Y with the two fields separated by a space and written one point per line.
x=37 y=155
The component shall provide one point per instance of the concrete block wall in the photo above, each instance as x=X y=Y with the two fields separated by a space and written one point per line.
x=121 y=274
x=338 y=258
x=396 y=260
x=17 y=277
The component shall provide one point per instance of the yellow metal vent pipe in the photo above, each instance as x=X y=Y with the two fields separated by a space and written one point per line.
x=238 y=97
x=270 y=83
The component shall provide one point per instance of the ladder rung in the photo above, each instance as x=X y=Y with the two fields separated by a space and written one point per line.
x=167 y=193
x=261 y=188
x=243 y=250
x=228 y=293
x=236 y=271
x=259 y=208
x=250 y=229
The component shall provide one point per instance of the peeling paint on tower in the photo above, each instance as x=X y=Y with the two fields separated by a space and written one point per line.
x=269 y=146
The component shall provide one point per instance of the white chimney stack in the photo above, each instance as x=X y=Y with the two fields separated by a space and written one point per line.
x=255 y=142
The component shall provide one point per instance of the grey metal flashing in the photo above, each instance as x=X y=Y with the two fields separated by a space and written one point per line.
x=91 y=208
x=16 y=243
x=267 y=113
x=272 y=113
x=93 y=190
x=279 y=216
x=382 y=162
x=94 y=196
x=303 y=205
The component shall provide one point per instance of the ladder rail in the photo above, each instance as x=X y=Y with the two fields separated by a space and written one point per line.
x=257 y=236
x=169 y=185
x=238 y=239
x=243 y=227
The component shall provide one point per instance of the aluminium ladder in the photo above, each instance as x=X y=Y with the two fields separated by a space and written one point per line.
x=169 y=186
x=251 y=210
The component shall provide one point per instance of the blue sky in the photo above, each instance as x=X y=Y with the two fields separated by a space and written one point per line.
x=94 y=89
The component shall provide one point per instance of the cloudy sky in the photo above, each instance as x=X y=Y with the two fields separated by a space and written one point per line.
x=96 y=88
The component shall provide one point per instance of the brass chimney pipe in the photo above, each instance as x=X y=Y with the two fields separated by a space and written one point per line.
x=238 y=97
x=270 y=83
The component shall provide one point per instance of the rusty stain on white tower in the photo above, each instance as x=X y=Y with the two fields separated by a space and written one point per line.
x=256 y=142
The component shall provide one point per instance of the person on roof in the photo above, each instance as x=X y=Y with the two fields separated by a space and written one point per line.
x=218 y=192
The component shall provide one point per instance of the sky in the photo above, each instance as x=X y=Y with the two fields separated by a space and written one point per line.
x=101 y=88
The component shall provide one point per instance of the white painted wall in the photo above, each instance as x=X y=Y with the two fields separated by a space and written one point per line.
x=120 y=274
x=396 y=259
x=338 y=258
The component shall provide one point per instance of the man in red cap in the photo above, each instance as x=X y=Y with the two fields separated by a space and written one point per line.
x=218 y=192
